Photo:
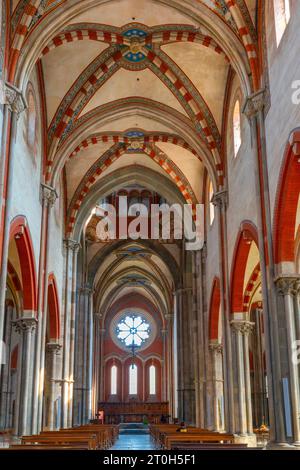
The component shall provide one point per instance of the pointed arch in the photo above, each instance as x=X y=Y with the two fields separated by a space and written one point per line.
x=53 y=308
x=247 y=235
x=214 y=309
x=287 y=197
x=20 y=232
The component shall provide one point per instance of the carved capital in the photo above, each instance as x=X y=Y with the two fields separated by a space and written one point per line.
x=86 y=290
x=254 y=104
x=48 y=195
x=220 y=199
x=98 y=315
x=12 y=97
x=72 y=245
x=53 y=348
x=215 y=347
x=288 y=284
x=24 y=324
x=242 y=326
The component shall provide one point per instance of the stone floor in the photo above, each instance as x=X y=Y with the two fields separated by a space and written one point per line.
x=133 y=442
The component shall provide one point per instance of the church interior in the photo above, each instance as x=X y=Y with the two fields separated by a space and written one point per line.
x=138 y=342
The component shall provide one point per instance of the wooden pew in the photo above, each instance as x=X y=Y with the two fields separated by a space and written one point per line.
x=199 y=438
x=208 y=446
x=87 y=440
x=16 y=447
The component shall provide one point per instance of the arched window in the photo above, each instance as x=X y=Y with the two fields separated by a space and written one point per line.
x=282 y=17
x=133 y=380
x=31 y=120
x=152 y=380
x=237 y=136
x=211 y=206
x=113 y=380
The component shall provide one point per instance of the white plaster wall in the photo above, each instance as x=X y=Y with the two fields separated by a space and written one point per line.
x=26 y=168
x=284 y=68
x=241 y=176
x=27 y=177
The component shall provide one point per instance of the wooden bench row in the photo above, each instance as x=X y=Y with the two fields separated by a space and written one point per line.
x=88 y=437
x=167 y=437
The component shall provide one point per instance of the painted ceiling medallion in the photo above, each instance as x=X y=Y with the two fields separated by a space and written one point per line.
x=135 y=39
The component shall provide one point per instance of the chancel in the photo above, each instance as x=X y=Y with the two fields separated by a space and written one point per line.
x=121 y=332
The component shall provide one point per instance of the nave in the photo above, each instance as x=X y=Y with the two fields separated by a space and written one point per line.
x=126 y=126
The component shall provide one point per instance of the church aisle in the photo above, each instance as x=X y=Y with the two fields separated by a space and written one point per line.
x=133 y=442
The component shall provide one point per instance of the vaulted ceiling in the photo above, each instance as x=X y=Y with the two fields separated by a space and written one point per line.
x=133 y=86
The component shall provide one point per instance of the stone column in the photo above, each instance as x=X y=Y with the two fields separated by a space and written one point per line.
x=169 y=379
x=71 y=247
x=26 y=327
x=52 y=350
x=216 y=350
x=48 y=198
x=164 y=365
x=288 y=288
x=220 y=200
x=5 y=391
x=241 y=331
x=14 y=104
x=254 y=110
x=101 y=368
x=96 y=361
x=84 y=367
x=75 y=249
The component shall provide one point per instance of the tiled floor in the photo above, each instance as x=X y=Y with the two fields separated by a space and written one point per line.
x=133 y=442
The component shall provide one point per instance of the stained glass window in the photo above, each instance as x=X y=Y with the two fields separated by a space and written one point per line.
x=133 y=330
x=133 y=380
x=113 y=379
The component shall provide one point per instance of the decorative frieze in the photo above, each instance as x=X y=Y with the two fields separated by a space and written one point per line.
x=24 y=324
x=220 y=199
x=48 y=195
x=215 y=347
x=242 y=326
x=254 y=104
x=288 y=285
x=53 y=348
x=72 y=245
x=12 y=97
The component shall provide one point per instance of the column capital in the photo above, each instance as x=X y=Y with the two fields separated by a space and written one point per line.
x=182 y=290
x=72 y=245
x=98 y=315
x=288 y=284
x=242 y=326
x=254 y=104
x=12 y=97
x=86 y=289
x=24 y=324
x=215 y=347
x=48 y=195
x=220 y=199
x=53 y=348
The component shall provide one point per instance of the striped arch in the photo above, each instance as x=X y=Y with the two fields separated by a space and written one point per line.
x=107 y=34
x=214 y=310
x=287 y=197
x=19 y=231
x=98 y=71
x=247 y=235
x=104 y=66
x=247 y=39
x=110 y=157
x=53 y=309
x=254 y=278
x=21 y=30
x=14 y=277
